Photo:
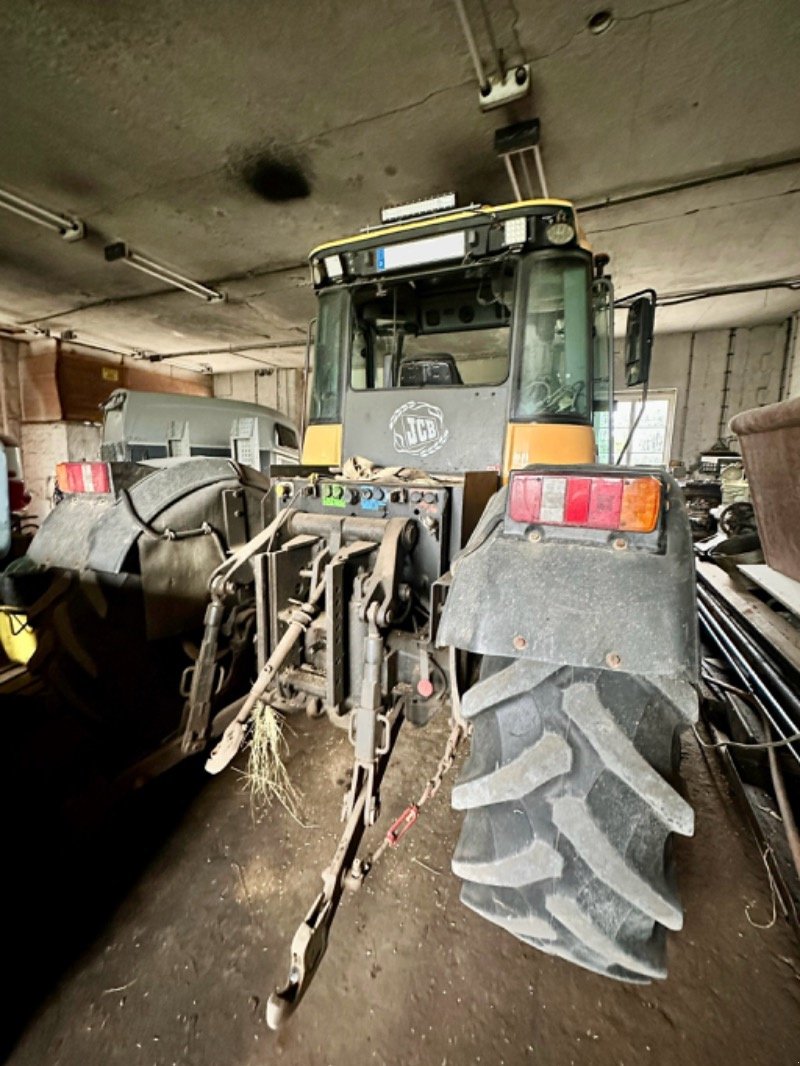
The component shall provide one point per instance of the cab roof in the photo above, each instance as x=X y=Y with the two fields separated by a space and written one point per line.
x=444 y=220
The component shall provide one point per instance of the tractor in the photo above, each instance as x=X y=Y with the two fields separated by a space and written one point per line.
x=456 y=540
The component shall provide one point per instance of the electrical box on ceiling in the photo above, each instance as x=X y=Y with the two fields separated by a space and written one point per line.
x=505 y=88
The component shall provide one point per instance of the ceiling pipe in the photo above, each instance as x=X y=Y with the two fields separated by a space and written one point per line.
x=691 y=183
x=235 y=349
x=472 y=46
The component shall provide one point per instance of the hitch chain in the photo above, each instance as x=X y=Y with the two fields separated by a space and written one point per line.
x=400 y=826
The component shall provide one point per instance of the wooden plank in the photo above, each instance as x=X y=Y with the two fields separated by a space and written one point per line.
x=86 y=381
x=39 y=397
x=775 y=629
x=65 y=383
x=134 y=377
x=784 y=589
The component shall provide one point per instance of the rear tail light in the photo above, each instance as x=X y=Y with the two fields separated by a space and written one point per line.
x=628 y=504
x=83 y=477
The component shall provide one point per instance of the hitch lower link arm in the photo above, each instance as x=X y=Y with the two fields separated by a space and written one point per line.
x=310 y=942
x=372 y=734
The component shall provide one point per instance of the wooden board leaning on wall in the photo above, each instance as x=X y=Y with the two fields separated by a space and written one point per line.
x=59 y=382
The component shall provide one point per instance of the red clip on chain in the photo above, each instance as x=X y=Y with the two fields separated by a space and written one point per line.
x=402 y=825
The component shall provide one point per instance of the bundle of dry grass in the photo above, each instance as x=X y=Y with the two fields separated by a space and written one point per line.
x=266 y=774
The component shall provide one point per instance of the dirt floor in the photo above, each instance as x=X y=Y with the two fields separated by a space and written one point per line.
x=164 y=947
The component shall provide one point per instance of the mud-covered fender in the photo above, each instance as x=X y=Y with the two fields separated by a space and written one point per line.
x=100 y=535
x=87 y=532
x=573 y=602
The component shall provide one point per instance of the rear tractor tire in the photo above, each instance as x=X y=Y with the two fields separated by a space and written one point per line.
x=570 y=811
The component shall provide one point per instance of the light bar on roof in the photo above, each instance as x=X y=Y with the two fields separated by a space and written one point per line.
x=445 y=201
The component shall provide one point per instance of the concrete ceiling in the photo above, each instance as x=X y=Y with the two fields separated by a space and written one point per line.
x=164 y=125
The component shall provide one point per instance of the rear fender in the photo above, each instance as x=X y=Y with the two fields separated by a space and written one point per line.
x=97 y=532
x=579 y=604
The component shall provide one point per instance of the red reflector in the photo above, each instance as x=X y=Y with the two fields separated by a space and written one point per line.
x=606 y=504
x=525 y=498
x=576 y=505
x=83 y=477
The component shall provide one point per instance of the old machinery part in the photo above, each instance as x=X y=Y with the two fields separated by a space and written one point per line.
x=204 y=678
x=738 y=518
x=460 y=729
x=399 y=536
x=346 y=870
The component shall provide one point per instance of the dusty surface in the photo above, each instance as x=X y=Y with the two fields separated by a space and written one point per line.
x=179 y=972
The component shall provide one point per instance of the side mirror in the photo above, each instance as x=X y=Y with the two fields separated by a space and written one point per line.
x=639 y=339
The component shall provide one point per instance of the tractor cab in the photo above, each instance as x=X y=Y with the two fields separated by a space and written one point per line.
x=462 y=339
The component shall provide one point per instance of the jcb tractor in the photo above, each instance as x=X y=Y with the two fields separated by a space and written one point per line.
x=454 y=542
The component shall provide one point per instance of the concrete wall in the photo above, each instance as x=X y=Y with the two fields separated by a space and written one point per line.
x=281 y=389
x=44 y=444
x=695 y=364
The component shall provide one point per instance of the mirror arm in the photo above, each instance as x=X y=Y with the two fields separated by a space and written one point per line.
x=625 y=301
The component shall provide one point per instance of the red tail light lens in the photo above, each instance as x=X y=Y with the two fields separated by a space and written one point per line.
x=629 y=504
x=83 y=477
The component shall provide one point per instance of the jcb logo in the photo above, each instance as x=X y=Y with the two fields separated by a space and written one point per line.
x=418 y=429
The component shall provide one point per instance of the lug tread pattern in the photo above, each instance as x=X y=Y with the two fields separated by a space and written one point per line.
x=533 y=863
x=548 y=757
x=582 y=705
x=569 y=812
x=490 y=905
x=587 y=838
x=572 y=916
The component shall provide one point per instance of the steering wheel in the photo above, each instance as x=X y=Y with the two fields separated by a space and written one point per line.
x=537 y=393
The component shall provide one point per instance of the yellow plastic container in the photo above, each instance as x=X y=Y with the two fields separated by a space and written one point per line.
x=16 y=635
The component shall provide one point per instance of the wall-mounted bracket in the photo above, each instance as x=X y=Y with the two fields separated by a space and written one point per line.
x=501 y=89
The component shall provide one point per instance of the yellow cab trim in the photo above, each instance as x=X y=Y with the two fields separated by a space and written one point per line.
x=547 y=442
x=322 y=445
x=431 y=220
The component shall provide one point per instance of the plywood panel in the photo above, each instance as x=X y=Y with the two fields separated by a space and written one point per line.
x=63 y=382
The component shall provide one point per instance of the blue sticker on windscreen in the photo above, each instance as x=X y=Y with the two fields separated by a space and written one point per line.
x=381 y=258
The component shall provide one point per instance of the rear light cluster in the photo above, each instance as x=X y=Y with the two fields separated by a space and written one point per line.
x=627 y=504
x=83 y=477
